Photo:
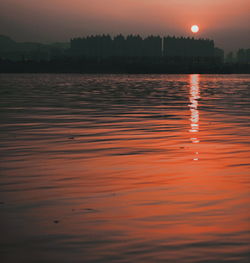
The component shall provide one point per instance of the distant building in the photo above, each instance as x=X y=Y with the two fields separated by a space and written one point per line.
x=152 y=46
x=187 y=47
x=219 y=53
x=135 y=46
x=230 y=58
x=243 y=56
x=119 y=46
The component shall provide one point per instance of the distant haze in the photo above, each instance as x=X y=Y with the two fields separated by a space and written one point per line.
x=225 y=21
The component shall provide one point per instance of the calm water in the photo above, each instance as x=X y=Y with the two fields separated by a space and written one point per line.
x=102 y=168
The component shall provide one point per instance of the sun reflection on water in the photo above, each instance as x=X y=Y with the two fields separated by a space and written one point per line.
x=194 y=95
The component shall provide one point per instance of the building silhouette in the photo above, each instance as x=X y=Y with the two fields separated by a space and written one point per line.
x=152 y=46
x=103 y=46
x=187 y=47
x=243 y=56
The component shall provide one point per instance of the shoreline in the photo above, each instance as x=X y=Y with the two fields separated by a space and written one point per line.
x=126 y=65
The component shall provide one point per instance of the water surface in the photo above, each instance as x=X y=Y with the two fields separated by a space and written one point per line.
x=123 y=168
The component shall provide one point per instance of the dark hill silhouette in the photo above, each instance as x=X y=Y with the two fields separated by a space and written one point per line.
x=18 y=51
x=7 y=44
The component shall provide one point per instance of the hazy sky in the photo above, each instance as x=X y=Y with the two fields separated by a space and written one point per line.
x=225 y=21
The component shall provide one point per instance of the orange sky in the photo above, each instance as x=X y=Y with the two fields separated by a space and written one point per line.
x=226 y=21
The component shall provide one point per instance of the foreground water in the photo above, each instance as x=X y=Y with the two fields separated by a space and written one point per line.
x=102 y=168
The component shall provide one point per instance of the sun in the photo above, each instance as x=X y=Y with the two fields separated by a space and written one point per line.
x=195 y=29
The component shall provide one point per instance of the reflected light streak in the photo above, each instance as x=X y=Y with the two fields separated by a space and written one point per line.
x=194 y=96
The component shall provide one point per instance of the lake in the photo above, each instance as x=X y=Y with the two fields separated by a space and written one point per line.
x=124 y=168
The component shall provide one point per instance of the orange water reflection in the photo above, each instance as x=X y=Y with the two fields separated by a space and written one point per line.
x=129 y=186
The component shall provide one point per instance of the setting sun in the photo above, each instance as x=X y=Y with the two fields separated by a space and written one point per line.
x=195 y=29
